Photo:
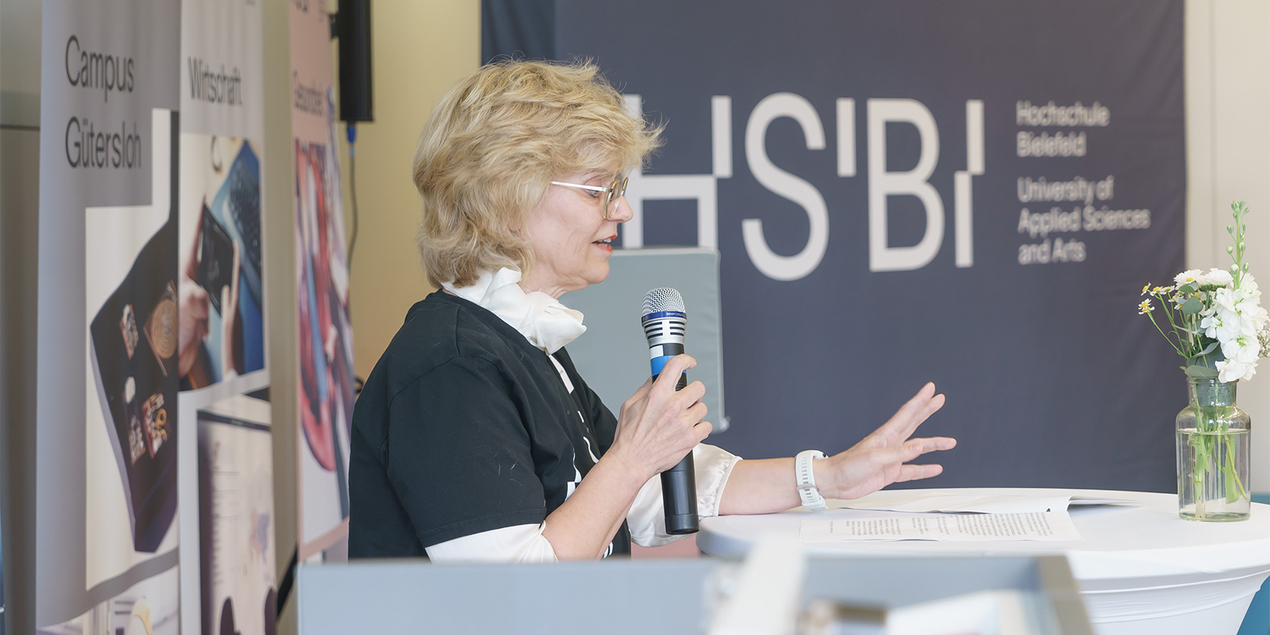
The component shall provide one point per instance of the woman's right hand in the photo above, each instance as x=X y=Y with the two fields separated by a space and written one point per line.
x=658 y=426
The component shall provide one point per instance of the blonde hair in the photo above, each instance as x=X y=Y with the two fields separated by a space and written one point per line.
x=491 y=148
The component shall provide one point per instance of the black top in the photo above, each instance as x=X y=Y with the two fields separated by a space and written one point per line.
x=462 y=427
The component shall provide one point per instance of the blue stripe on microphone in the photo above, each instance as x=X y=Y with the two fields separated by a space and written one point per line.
x=665 y=314
x=659 y=363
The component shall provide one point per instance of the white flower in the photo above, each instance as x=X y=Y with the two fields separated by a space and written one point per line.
x=1190 y=275
x=1215 y=277
x=1230 y=371
x=1222 y=320
x=1241 y=359
x=1249 y=285
x=1242 y=349
x=1252 y=299
x=1231 y=315
x=1252 y=316
x=1212 y=324
x=1236 y=319
x=1241 y=354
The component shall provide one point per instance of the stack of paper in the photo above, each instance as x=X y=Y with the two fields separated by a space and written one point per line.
x=1047 y=526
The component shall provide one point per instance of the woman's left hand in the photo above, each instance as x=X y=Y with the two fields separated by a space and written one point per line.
x=880 y=458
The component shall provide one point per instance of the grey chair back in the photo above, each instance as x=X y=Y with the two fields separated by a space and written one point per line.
x=612 y=355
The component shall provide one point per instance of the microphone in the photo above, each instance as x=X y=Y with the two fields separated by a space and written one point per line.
x=665 y=321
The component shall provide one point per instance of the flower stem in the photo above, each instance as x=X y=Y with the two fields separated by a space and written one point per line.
x=1166 y=337
x=1232 y=475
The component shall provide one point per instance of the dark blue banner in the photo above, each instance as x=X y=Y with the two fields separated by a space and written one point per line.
x=971 y=193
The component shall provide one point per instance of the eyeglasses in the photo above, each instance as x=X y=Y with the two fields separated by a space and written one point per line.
x=614 y=191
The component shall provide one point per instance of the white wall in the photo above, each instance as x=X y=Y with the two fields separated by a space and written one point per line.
x=421 y=48
x=1228 y=158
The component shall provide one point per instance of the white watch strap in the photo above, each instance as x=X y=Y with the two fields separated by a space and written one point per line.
x=807 y=490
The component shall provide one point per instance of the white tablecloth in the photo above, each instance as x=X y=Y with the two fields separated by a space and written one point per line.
x=1141 y=569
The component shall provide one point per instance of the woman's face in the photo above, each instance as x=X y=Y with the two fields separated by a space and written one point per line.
x=571 y=240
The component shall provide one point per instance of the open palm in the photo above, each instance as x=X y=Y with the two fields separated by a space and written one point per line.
x=882 y=457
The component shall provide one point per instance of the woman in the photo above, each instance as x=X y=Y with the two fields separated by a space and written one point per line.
x=474 y=438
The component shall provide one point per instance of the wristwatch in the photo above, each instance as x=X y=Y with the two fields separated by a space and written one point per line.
x=807 y=480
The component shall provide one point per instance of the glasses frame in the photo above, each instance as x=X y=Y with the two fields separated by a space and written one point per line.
x=614 y=191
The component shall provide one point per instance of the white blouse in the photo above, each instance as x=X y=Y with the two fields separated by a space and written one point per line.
x=549 y=325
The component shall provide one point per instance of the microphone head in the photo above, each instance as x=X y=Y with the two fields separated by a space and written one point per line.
x=662 y=299
x=665 y=321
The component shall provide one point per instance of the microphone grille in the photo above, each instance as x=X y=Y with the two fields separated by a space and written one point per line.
x=663 y=299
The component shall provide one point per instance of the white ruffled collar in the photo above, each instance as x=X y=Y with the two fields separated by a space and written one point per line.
x=543 y=321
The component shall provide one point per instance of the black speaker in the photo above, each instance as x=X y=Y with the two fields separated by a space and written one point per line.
x=351 y=25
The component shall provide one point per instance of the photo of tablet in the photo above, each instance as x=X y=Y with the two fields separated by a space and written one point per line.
x=216 y=257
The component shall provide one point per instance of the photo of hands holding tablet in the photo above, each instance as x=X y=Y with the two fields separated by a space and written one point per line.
x=221 y=331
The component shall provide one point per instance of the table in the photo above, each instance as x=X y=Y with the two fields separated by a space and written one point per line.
x=1141 y=569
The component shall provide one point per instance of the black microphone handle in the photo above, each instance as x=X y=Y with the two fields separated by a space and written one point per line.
x=679 y=489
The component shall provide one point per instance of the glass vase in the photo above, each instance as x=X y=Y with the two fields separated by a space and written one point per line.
x=1212 y=454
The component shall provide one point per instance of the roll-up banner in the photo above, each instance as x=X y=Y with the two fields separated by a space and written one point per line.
x=108 y=338
x=971 y=193
x=325 y=364
x=152 y=384
x=227 y=514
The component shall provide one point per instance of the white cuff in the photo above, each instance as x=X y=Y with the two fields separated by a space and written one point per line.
x=647 y=517
x=518 y=543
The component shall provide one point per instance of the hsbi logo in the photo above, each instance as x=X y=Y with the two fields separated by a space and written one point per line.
x=881 y=182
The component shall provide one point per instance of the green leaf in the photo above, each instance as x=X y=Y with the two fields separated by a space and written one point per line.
x=1195 y=370
x=1206 y=360
x=1192 y=306
x=1210 y=348
x=1188 y=288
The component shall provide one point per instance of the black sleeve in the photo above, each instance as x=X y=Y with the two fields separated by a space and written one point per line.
x=459 y=454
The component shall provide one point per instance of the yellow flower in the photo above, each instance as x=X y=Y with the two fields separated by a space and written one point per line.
x=1146 y=287
x=1145 y=307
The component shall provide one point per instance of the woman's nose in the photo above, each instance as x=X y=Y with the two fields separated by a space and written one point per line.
x=622 y=211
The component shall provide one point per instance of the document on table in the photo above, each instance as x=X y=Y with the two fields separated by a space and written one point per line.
x=900 y=501
x=1046 y=526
